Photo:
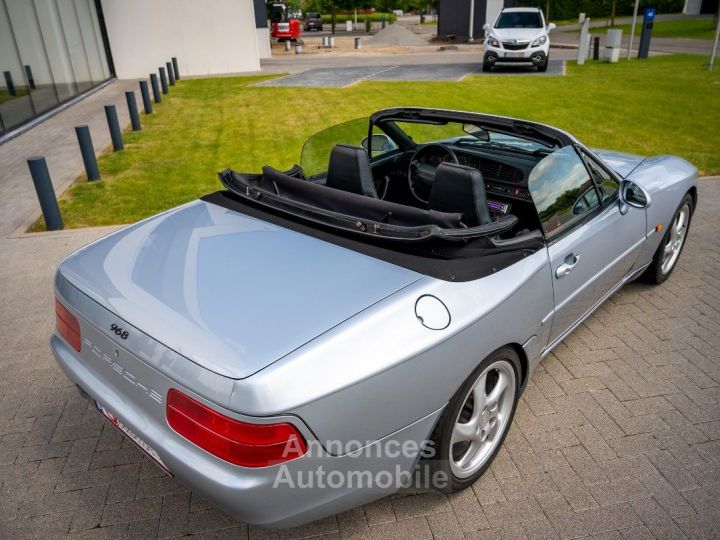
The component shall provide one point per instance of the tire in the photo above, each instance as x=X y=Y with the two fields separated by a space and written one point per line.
x=487 y=67
x=542 y=68
x=456 y=457
x=663 y=263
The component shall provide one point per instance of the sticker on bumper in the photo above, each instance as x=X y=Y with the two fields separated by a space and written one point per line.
x=145 y=447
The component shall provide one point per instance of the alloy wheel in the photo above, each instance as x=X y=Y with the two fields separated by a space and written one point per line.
x=483 y=419
x=676 y=239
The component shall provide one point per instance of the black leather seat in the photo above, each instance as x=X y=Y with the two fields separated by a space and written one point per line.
x=457 y=188
x=349 y=170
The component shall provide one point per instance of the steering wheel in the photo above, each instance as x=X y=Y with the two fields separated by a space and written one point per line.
x=423 y=164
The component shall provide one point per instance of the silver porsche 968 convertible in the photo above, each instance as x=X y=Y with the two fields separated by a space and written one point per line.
x=305 y=341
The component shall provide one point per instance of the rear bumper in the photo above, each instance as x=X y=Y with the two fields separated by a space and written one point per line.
x=135 y=393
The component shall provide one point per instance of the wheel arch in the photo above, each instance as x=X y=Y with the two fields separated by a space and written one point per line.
x=524 y=364
x=693 y=193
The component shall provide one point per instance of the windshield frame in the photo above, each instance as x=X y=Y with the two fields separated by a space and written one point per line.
x=524 y=129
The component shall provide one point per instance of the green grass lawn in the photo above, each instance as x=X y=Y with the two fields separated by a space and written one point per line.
x=667 y=104
x=687 y=28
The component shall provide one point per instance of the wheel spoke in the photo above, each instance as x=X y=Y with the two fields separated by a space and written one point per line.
x=497 y=391
x=480 y=399
x=465 y=431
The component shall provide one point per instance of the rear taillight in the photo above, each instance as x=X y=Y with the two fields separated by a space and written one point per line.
x=240 y=443
x=67 y=325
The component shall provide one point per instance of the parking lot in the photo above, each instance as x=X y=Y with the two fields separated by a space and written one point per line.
x=617 y=434
x=339 y=77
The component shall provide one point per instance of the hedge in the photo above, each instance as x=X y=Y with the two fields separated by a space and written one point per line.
x=374 y=17
x=570 y=9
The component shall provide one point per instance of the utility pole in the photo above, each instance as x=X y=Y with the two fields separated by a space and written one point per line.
x=472 y=20
x=632 y=28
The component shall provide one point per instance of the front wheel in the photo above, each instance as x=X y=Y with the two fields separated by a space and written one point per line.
x=487 y=66
x=668 y=252
x=542 y=68
x=477 y=419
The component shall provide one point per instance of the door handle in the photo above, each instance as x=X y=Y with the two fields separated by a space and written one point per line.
x=565 y=268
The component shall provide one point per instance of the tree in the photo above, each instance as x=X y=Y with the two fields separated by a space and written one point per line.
x=612 y=12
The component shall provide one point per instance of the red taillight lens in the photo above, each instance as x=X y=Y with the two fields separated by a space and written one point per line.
x=248 y=445
x=67 y=325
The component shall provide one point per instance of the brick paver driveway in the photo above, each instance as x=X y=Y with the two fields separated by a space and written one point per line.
x=617 y=434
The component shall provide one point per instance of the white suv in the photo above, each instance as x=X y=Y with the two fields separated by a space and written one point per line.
x=518 y=35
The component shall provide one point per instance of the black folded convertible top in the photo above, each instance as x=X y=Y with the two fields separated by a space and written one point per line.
x=354 y=213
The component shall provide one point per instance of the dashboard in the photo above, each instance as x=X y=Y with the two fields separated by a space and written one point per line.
x=505 y=173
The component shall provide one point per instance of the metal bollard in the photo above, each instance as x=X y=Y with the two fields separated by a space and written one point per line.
x=147 y=104
x=45 y=193
x=175 y=68
x=298 y=49
x=596 y=48
x=88 y=152
x=287 y=46
x=163 y=81
x=171 y=74
x=357 y=42
x=133 y=110
x=114 y=126
x=155 y=87
x=30 y=78
x=9 y=83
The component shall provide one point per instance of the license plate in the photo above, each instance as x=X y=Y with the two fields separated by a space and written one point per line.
x=145 y=447
x=514 y=54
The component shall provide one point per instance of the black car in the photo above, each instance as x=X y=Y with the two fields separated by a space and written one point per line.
x=313 y=21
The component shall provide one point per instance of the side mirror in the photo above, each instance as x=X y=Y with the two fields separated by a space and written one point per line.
x=551 y=26
x=632 y=194
x=380 y=144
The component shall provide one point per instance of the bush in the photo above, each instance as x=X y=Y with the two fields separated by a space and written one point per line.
x=373 y=17
x=600 y=9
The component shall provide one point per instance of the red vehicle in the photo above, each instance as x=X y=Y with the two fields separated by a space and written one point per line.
x=283 y=27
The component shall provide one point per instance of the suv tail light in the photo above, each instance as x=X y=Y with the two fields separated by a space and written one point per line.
x=67 y=325
x=240 y=443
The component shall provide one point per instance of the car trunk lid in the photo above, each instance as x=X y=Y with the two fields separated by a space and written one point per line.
x=228 y=291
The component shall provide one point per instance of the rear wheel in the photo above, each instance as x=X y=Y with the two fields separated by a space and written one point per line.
x=669 y=250
x=476 y=421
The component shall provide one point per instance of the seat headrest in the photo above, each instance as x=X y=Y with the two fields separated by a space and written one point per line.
x=349 y=170
x=457 y=188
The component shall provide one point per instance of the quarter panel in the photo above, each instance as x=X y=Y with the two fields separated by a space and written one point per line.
x=383 y=369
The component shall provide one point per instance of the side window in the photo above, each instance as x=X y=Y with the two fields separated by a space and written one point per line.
x=562 y=190
x=606 y=184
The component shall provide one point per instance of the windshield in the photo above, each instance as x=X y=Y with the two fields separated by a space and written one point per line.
x=455 y=133
x=519 y=19
x=402 y=134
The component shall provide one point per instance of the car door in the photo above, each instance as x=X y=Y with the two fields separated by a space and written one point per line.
x=592 y=245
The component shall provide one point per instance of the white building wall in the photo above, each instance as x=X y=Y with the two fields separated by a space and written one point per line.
x=208 y=38
x=263 y=41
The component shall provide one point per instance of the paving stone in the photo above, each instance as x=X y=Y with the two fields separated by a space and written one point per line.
x=409 y=528
x=617 y=435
